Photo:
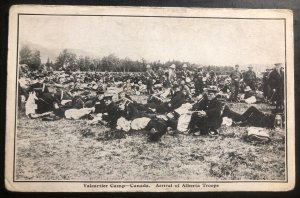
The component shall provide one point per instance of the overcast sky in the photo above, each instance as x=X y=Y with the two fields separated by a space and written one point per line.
x=202 y=41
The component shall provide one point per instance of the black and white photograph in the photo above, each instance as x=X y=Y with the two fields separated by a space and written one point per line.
x=149 y=99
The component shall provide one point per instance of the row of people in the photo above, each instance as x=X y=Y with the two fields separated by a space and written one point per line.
x=205 y=116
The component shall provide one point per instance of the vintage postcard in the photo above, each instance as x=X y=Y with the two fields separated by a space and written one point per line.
x=140 y=99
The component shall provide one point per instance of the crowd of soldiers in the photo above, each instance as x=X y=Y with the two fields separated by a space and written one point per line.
x=194 y=98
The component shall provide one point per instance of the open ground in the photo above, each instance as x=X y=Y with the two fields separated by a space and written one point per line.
x=59 y=151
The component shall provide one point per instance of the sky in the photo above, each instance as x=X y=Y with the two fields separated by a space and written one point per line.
x=195 y=40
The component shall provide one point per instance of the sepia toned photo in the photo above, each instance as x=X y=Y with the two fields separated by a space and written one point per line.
x=135 y=99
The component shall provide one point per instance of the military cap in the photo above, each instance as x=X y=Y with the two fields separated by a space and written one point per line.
x=173 y=66
x=108 y=97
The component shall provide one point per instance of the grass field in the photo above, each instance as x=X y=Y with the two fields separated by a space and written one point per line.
x=60 y=150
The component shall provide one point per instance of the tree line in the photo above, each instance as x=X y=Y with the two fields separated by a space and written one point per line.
x=67 y=60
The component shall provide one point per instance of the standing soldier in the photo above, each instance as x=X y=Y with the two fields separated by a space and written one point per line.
x=265 y=84
x=160 y=73
x=172 y=73
x=250 y=78
x=198 y=84
x=235 y=84
x=276 y=82
x=149 y=76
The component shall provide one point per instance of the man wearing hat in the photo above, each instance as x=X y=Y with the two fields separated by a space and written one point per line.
x=208 y=115
x=235 y=76
x=176 y=101
x=150 y=75
x=185 y=73
x=276 y=82
x=39 y=86
x=172 y=73
x=198 y=84
x=265 y=85
x=96 y=101
x=112 y=113
x=160 y=74
x=250 y=78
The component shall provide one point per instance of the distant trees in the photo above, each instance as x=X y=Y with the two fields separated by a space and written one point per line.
x=110 y=63
x=86 y=64
x=49 y=65
x=67 y=60
x=31 y=58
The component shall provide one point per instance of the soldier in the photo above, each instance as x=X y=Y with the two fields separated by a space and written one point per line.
x=235 y=83
x=250 y=78
x=251 y=117
x=160 y=73
x=276 y=82
x=100 y=106
x=176 y=101
x=186 y=90
x=185 y=72
x=150 y=75
x=112 y=113
x=212 y=78
x=45 y=103
x=132 y=110
x=172 y=73
x=198 y=84
x=208 y=116
x=46 y=108
x=39 y=86
x=265 y=85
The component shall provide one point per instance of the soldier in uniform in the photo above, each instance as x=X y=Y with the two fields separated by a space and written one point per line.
x=160 y=73
x=39 y=86
x=185 y=72
x=172 y=73
x=100 y=106
x=132 y=110
x=112 y=113
x=176 y=101
x=250 y=78
x=198 y=84
x=235 y=83
x=150 y=75
x=251 y=117
x=265 y=85
x=208 y=116
x=276 y=82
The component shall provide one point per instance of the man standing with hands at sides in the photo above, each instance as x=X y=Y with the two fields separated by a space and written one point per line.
x=236 y=77
x=172 y=73
x=250 y=78
x=276 y=82
x=150 y=75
